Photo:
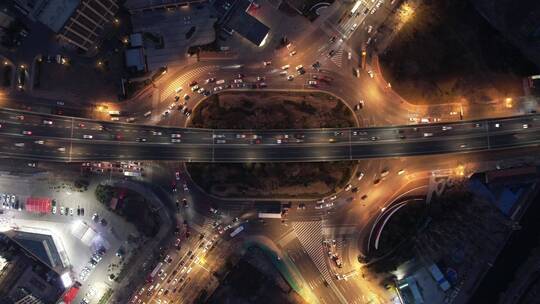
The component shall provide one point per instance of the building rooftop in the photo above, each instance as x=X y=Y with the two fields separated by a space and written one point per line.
x=245 y=24
x=40 y=246
x=135 y=59
x=56 y=12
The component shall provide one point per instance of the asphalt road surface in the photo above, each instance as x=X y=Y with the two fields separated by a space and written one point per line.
x=59 y=138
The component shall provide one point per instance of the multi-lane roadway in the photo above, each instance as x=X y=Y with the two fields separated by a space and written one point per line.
x=59 y=138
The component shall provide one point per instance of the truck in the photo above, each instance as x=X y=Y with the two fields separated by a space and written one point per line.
x=154 y=272
x=270 y=215
x=237 y=231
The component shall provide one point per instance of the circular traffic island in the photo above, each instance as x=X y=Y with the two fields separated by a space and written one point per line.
x=264 y=111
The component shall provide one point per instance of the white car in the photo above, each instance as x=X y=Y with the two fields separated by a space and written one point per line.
x=349 y=187
x=47 y=122
x=238 y=81
x=292 y=53
x=62 y=210
x=176 y=135
x=312 y=82
x=71 y=211
x=446 y=128
x=286 y=67
x=176 y=140
x=200 y=91
x=39 y=142
x=360 y=176
x=299 y=67
x=525 y=126
x=195 y=88
x=54 y=210
x=86 y=136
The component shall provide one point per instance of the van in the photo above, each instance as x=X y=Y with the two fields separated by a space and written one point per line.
x=147 y=114
x=221 y=81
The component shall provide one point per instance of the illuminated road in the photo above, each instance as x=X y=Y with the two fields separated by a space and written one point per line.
x=58 y=138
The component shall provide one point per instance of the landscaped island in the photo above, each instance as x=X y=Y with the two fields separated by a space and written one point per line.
x=272 y=110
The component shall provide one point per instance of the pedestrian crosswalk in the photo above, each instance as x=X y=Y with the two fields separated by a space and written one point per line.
x=310 y=236
x=338 y=58
x=183 y=81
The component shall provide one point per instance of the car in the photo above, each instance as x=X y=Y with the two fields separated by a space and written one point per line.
x=141 y=139
x=299 y=67
x=214 y=211
x=156 y=133
x=286 y=67
x=312 y=83
x=463 y=146
x=349 y=187
x=369 y=29
x=333 y=197
x=86 y=136
x=176 y=140
x=176 y=135
x=165 y=113
x=71 y=211
x=47 y=122
x=400 y=172
x=238 y=80
x=428 y=134
x=267 y=63
x=292 y=53
x=525 y=126
x=26 y=132
x=446 y=128
x=201 y=90
x=186 y=96
x=371 y=74
x=363 y=197
x=39 y=142
x=95 y=217
x=384 y=173
x=290 y=78
x=186 y=189
x=373 y=138
x=210 y=80
x=217 y=89
x=195 y=88
x=359 y=175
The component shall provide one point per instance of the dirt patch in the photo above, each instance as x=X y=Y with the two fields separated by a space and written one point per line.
x=80 y=83
x=449 y=53
x=272 y=110
x=271 y=180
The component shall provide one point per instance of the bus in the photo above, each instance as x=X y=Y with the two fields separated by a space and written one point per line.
x=154 y=272
x=237 y=231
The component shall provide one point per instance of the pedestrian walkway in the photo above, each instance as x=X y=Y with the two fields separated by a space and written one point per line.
x=338 y=58
x=310 y=236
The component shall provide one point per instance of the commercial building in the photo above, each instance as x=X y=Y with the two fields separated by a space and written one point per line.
x=80 y=23
x=237 y=18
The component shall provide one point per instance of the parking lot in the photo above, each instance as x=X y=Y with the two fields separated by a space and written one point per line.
x=87 y=235
x=179 y=28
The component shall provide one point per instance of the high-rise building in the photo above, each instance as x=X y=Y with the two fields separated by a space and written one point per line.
x=81 y=23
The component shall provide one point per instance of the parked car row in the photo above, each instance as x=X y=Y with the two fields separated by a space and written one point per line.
x=9 y=201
